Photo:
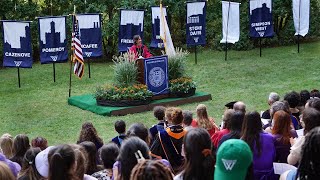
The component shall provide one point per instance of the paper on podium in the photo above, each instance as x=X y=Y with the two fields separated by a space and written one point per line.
x=280 y=168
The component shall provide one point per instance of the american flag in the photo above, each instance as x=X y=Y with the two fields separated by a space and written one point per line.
x=77 y=50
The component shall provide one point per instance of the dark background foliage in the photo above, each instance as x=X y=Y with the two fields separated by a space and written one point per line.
x=282 y=17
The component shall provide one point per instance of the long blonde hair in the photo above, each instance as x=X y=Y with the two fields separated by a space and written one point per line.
x=202 y=117
x=6 y=145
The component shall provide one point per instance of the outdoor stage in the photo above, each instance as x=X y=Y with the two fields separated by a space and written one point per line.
x=88 y=102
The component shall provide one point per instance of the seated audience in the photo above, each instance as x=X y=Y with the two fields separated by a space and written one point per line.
x=40 y=142
x=293 y=98
x=234 y=161
x=310 y=120
x=273 y=97
x=204 y=121
x=314 y=93
x=14 y=167
x=89 y=133
x=42 y=162
x=29 y=170
x=61 y=163
x=239 y=106
x=120 y=127
x=199 y=163
x=276 y=106
x=168 y=143
x=310 y=159
x=108 y=155
x=261 y=144
x=151 y=170
x=314 y=103
x=215 y=138
x=187 y=119
x=5 y=172
x=132 y=150
x=92 y=155
x=6 y=145
x=236 y=121
x=139 y=130
x=159 y=114
x=282 y=132
x=81 y=162
x=20 y=146
x=304 y=97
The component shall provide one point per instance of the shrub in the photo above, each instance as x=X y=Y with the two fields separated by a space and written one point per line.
x=125 y=70
x=176 y=64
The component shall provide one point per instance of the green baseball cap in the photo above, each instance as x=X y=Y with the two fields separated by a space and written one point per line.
x=234 y=156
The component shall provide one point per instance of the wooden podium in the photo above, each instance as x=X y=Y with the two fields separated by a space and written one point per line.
x=141 y=78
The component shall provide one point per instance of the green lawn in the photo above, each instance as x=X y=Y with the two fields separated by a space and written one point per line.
x=39 y=107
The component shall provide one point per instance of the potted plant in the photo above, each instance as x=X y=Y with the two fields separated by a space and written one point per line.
x=179 y=84
x=182 y=87
x=125 y=91
x=134 y=95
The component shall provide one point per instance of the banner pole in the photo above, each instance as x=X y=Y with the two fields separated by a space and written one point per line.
x=54 y=71
x=89 y=68
x=260 y=47
x=299 y=27
x=53 y=64
x=226 y=46
x=195 y=54
x=19 y=77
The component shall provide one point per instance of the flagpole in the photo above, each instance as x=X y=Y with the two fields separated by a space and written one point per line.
x=299 y=27
x=72 y=51
x=226 y=46
x=19 y=78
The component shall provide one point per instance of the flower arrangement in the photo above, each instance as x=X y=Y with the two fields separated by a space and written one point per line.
x=182 y=85
x=115 y=93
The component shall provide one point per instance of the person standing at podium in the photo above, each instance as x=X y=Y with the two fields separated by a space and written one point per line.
x=139 y=50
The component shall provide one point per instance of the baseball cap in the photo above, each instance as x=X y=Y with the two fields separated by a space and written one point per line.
x=234 y=156
x=42 y=162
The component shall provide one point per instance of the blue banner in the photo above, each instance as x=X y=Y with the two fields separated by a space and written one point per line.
x=53 y=39
x=131 y=23
x=261 y=24
x=17 y=50
x=196 y=23
x=156 y=41
x=90 y=34
x=156 y=74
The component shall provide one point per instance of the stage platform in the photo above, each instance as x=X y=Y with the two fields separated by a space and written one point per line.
x=88 y=102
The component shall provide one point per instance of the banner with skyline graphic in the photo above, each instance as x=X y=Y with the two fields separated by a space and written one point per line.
x=131 y=23
x=17 y=49
x=156 y=41
x=52 y=39
x=261 y=24
x=196 y=23
x=90 y=35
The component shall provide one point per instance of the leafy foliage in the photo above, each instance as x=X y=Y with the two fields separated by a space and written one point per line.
x=177 y=64
x=114 y=93
x=125 y=71
x=183 y=85
x=282 y=16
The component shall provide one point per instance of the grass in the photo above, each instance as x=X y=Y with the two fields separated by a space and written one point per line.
x=39 y=107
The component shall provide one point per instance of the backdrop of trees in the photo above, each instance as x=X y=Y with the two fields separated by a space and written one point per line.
x=282 y=17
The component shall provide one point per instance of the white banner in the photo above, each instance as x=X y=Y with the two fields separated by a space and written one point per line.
x=301 y=13
x=230 y=22
x=165 y=34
